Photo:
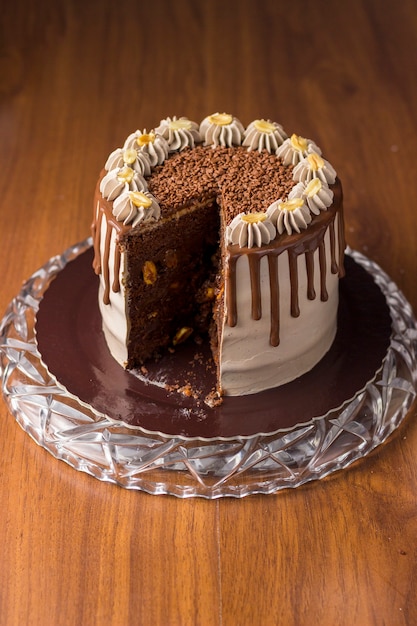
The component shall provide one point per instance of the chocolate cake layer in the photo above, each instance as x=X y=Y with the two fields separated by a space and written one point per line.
x=167 y=270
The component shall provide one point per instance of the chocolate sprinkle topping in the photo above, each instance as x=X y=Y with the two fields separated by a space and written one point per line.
x=248 y=181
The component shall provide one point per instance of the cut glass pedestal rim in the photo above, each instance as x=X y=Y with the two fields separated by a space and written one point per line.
x=158 y=464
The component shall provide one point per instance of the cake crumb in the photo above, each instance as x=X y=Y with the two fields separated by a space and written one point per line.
x=213 y=399
x=188 y=391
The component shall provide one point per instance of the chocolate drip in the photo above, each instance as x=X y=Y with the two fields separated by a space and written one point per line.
x=274 y=291
x=111 y=224
x=311 y=292
x=333 y=263
x=116 y=273
x=324 y=296
x=341 y=240
x=106 y=268
x=95 y=228
x=255 y=281
x=293 y=260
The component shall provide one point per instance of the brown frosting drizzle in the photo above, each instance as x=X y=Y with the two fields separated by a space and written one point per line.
x=311 y=292
x=333 y=267
x=324 y=296
x=102 y=213
x=292 y=260
x=274 y=291
x=255 y=281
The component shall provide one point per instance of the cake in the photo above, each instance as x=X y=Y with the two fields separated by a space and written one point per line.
x=216 y=232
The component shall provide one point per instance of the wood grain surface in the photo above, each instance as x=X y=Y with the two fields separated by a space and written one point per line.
x=76 y=77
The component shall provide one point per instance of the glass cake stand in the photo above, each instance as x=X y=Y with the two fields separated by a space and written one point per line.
x=135 y=457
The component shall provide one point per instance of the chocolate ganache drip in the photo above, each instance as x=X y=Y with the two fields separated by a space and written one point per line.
x=99 y=267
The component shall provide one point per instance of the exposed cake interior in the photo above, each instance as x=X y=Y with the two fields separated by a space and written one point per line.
x=170 y=294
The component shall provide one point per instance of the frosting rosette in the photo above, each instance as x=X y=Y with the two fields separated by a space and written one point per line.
x=115 y=160
x=153 y=145
x=221 y=129
x=179 y=133
x=314 y=166
x=250 y=229
x=291 y=215
x=119 y=180
x=295 y=148
x=136 y=207
x=136 y=159
x=264 y=135
x=316 y=194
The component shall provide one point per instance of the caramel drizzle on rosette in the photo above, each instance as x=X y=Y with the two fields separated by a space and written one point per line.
x=311 y=240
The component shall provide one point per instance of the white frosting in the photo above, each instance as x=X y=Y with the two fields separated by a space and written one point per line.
x=221 y=129
x=179 y=133
x=249 y=230
x=155 y=146
x=295 y=148
x=317 y=195
x=248 y=363
x=314 y=166
x=136 y=159
x=119 y=180
x=290 y=215
x=115 y=159
x=264 y=135
x=136 y=207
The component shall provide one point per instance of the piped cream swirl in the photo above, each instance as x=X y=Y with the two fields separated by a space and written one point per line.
x=136 y=159
x=295 y=148
x=221 y=129
x=264 y=135
x=289 y=215
x=119 y=180
x=316 y=194
x=179 y=133
x=153 y=145
x=250 y=229
x=135 y=207
x=314 y=166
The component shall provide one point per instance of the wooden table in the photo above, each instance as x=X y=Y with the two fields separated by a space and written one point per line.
x=75 y=79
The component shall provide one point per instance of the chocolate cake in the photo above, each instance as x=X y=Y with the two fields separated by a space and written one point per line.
x=218 y=233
